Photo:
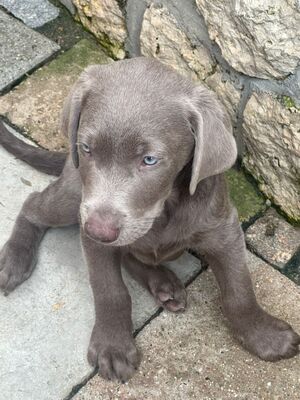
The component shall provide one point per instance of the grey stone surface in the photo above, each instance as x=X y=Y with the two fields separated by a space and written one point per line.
x=273 y=238
x=257 y=38
x=193 y=356
x=21 y=50
x=227 y=93
x=69 y=5
x=162 y=38
x=33 y=13
x=47 y=321
x=272 y=141
x=134 y=18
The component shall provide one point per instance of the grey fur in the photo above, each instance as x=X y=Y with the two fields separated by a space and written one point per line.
x=49 y=162
x=123 y=112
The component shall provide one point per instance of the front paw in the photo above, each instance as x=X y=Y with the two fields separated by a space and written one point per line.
x=269 y=338
x=15 y=266
x=115 y=354
x=167 y=289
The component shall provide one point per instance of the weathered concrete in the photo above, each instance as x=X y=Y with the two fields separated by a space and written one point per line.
x=36 y=104
x=194 y=356
x=33 y=13
x=21 y=50
x=273 y=238
x=47 y=321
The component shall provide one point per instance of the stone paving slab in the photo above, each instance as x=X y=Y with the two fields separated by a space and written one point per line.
x=21 y=50
x=33 y=13
x=47 y=321
x=36 y=104
x=194 y=356
x=273 y=238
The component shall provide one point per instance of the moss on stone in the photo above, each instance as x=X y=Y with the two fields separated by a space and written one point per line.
x=84 y=53
x=113 y=49
x=288 y=102
x=244 y=195
x=293 y=220
x=35 y=105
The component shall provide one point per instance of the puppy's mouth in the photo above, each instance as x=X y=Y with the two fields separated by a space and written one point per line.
x=98 y=240
x=124 y=232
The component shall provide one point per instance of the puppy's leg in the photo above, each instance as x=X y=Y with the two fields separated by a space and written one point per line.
x=163 y=284
x=112 y=346
x=57 y=205
x=262 y=334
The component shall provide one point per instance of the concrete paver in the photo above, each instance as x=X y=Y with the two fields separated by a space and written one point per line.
x=194 y=356
x=33 y=13
x=273 y=238
x=47 y=321
x=35 y=105
x=21 y=50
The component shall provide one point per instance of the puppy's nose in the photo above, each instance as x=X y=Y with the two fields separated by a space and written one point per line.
x=102 y=226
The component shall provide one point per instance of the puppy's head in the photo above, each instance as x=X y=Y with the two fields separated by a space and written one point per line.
x=133 y=126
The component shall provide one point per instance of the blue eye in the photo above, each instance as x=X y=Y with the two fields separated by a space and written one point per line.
x=85 y=147
x=150 y=160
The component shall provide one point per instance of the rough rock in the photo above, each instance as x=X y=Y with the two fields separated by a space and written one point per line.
x=273 y=238
x=272 y=140
x=69 y=5
x=258 y=38
x=194 y=355
x=35 y=105
x=163 y=38
x=227 y=93
x=106 y=21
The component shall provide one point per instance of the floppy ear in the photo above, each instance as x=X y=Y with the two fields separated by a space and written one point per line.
x=71 y=113
x=215 y=149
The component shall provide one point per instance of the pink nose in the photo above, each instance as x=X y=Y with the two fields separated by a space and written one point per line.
x=102 y=227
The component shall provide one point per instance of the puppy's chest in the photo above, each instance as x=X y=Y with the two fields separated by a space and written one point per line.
x=159 y=245
x=159 y=255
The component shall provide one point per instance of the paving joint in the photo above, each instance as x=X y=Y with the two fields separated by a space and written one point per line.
x=291 y=267
x=76 y=389
x=23 y=78
x=190 y=280
x=246 y=224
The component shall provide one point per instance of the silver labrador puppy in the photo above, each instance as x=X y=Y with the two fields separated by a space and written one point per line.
x=144 y=178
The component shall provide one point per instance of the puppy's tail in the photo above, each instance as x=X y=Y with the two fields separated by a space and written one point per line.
x=49 y=162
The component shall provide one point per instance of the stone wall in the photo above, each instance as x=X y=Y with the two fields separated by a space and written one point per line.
x=247 y=51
